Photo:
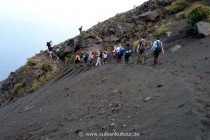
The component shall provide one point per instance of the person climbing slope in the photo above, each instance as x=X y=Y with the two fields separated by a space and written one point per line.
x=50 y=50
x=99 y=57
x=128 y=52
x=105 y=55
x=91 y=58
x=77 y=59
x=157 y=48
x=85 y=57
x=140 y=50
x=58 y=53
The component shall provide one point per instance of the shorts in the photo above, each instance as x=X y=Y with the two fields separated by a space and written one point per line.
x=119 y=56
x=156 y=53
x=76 y=61
x=141 y=52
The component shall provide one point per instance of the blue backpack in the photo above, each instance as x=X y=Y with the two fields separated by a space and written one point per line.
x=86 y=57
x=158 y=47
x=121 y=51
x=142 y=47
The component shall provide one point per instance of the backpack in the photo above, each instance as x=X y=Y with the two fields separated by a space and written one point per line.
x=48 y=44
x=158 y=46
x=121 y=51
x=86 y=57
x=101 y=55
x=142 y=47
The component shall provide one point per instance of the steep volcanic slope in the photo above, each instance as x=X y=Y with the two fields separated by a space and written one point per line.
x=95 y=99
x=170 y=101
x=111 y=98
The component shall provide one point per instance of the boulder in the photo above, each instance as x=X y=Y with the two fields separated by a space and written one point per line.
x=129 y=25
x=164 y=2
x=68 y=49
x=119 y=30
x=112 y=38
x=111 y=31
x=203 y=28
x=138 y=20
x=175 y=48
x=106 y=39
x=149 y=16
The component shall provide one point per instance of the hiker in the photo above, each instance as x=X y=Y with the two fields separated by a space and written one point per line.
x=105 y=55
x=77 y=59
x=50 y=50
x=85 y=57
x=80 y=29
x=128 y=52
x=91 y=58
x=157 y=48
x=140 y=50
x=120 y=53
x=58 y=53
x=99 y=57
x=114 y=52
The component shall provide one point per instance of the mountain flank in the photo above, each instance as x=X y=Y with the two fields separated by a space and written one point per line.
x=54 y=99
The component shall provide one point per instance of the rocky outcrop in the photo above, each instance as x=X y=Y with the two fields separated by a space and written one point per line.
x=146 y=17
x=165 y=2
x=112 y=38
x=149 y=16
x=203 y=28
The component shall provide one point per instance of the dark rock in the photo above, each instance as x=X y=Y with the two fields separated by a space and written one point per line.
x=110 y=39
x=77 y=131
x=165 y=2
x=119 y=30
x=114 y=38
x=67 y=94
x=160 y=85
x=149 y=16
x=208 y=115
x=208 y=105
x=181 y=105
x=138 y=21
x=107 y=39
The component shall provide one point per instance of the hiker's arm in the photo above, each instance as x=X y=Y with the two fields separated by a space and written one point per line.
x=162 y=50
x=137 y=50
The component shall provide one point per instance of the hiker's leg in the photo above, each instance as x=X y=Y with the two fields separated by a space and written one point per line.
x=99 y=61
x=155 y=57
x=131 y=59
x=142 y=60
x=155 y=60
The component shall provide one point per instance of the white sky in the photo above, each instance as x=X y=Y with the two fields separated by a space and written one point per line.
x=72 y=12
x=26 y=25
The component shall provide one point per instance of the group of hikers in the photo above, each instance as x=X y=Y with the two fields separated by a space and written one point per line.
x=120 y=53
x=53 y=54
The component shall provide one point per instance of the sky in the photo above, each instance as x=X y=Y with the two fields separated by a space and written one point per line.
x=26 y=25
